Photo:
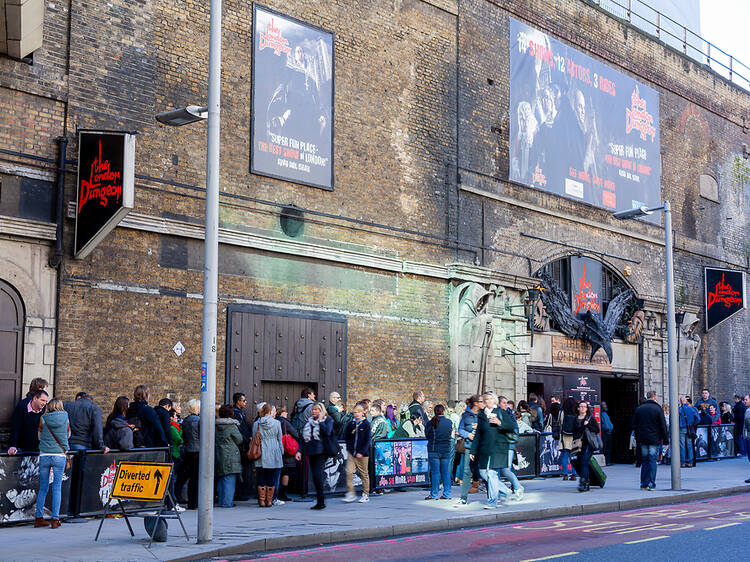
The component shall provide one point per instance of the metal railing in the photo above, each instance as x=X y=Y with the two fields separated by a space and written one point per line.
x=680 y=37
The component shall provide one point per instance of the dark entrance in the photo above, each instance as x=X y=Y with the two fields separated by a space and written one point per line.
x=272 y=354
x=621 y=396
x=545 y=386
x=11 y=352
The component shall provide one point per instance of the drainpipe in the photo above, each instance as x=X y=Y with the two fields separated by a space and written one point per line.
x=62 y=144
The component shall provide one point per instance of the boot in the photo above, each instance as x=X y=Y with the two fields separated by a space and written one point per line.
x=40 y=522
x=572 y=477
x=282 y=493
x=565 y=477
x=261 y=496
x=269 y=495
x=54 y=523
x=474 y=487
x=582 y=485
x=320 y=504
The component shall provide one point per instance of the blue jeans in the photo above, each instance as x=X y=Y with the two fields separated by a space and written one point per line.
x=76 y=447
x=565 y=461
x=686 y=448
x=57 y=464
x=225 y=488
x=440 y=471
x=584 y=457
x=495 y=488
x=510 y=475
x=747 y=448
x=649 y=455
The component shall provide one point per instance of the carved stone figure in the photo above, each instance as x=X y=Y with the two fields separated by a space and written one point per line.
x=540 y=317
x=635 y=327
x=689 y=343
x=474 y=331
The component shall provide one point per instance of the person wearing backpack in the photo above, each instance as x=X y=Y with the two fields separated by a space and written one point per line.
x=536 y=411
x=303 y=409
x=54 y=430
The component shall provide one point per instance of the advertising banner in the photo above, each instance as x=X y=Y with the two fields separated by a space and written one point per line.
x=700 y=443
x=584 y=387
x=105 y=194
x=586 y=284
x=400 y=463
x=550 y=463
x=722 y=442
x=19 y=484
x=292 y=100
x=334 y=473
x=724 y=294
x=579 y=128
x=525 y=458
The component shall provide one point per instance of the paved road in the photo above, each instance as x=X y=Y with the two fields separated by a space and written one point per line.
x=712 y=528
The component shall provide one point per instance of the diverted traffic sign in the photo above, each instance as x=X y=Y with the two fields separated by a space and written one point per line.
x=143 y=481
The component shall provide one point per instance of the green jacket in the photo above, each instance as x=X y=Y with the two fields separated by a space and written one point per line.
x=175 y=439
x=228 y=441
x=492 y=442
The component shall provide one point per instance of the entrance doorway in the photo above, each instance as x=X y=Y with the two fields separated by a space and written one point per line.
x=621 y=396
x=11 y=352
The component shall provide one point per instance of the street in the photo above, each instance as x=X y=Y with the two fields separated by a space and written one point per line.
x=664 y=533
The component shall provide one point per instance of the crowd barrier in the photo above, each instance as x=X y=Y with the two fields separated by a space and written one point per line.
x=714 y=442
x=85 y=487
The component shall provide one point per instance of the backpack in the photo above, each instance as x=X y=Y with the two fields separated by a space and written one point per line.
x=297 y=420
x=535 y=421
x=344 y=424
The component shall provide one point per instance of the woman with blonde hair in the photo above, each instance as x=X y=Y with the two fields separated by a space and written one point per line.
x=191 y=444
x=271 y=453
x=54 y=430
x=316 y=430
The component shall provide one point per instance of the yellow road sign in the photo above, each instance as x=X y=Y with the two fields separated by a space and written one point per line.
x=144 y=481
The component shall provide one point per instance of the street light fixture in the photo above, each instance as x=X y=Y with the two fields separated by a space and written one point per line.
x=674 y=403
x=184 y=116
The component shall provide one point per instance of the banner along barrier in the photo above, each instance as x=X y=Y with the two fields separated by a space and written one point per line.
x=549 y=456
x=334 y=474
x=19 y=485
x=97 y=474
x=526 y=455
x=399 y=463
x=714 y=442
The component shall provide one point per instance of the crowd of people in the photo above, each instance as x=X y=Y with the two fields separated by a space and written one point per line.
x=471 y=443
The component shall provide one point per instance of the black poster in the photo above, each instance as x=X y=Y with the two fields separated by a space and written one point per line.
x=400 y=463
x=550 y=461
x=105 y=185
x=292 y=100
x=579 y=128
x=722 y=442
x=19 y=484
x=334 y=473
x=586 y=285
x=583 y=386
x=525 y=457
x=724 y=294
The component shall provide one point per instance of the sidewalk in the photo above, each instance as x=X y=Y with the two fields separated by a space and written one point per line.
x=248 y=528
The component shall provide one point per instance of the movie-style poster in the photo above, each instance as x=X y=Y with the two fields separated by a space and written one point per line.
x=400 y=463
x=580 y=129
x=292 y=100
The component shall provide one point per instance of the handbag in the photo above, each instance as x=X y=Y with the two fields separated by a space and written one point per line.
x=593 y=439
x=548 y=424
x=460 y=446
x=576 y=446
x=689 y=428
x=68 y=464
x=256 y=447
x=289 y=443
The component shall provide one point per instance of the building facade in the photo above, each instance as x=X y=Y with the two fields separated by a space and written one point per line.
x=411 y=268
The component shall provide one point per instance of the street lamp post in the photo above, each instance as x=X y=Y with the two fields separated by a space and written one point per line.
x=184 y=116
x=674 y=403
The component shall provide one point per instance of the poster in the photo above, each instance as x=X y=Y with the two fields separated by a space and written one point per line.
x=583 y=387
x=19 y=484
x=724 y=294
x=722 y=442
x=105 y=187
x=334 y=473
x=579 y=128
x=525 y=458
x=549 y=456
x=700 y=443
x=399 y=463
x=586 y=284
x=292 y=100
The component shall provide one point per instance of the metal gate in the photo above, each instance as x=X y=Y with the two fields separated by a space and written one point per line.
x=272 y=354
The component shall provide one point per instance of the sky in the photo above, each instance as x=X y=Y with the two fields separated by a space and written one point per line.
x=725 y=23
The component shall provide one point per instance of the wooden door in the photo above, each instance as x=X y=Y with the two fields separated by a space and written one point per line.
x=11 y=351
x=275 y=353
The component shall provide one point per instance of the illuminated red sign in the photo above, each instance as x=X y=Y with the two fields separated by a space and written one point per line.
x=586 y=286
x=724 y=294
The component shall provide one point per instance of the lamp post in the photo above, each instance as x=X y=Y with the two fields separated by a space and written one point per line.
x=184 y=116
x=674 y=403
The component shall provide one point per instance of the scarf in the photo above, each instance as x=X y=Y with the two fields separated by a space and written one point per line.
x=311 y=430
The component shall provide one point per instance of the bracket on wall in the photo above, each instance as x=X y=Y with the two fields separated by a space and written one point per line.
x=504 y=352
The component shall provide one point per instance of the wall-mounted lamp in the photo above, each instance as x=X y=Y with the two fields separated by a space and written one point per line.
x=745 y=153
x=678 y=319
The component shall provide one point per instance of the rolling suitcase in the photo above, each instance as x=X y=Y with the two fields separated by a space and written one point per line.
x=597 y=477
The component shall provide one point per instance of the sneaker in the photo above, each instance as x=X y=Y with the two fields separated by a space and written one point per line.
x=460 y=502
x=518 y=494
x=651 y=488
x=364 y=499
x=277 y=501
x=488 y=506
x=747 y=481
x=350 y=497
x=178 y=508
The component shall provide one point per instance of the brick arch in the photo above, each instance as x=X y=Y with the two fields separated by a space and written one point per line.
x=603 y=260
x=12 y=321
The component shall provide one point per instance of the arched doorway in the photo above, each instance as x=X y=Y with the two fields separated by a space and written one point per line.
x=11 y=351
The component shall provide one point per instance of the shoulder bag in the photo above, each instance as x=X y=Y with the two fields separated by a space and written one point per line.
x=593 y=439
x=689 y=428
x=67 y=458
x=256 y=447
x=288 y=442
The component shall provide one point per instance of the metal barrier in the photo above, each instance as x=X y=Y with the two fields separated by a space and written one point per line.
x=714 y=442
x=85 y=487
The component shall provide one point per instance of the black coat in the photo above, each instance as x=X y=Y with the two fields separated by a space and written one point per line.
x=357 y=437
x=24 y=427
x=649 y=424
x=153 y=431
x=85 y=423
x=738 y=410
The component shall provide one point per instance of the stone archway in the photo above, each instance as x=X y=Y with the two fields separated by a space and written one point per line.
x=12 y=321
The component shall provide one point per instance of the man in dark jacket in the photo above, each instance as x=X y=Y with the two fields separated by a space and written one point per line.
x=335 y=410
x=145 y=418
x=244 y=484
x=85 y=420
x=416 y=408
x=688 y=420
x=162 y=412
x=303 y=409
x=24 y=424
x=650 y=431
x=738 y=410
x=357 y=436
x=491 y=445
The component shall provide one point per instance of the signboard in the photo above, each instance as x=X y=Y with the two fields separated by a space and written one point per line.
x=550 y=457
x=19 y=485
x=583 y=386
x=586 y=285
x=525 y=458
x=400 y=463
x=292 y=100
x=724 y=294
x=700 y=443
x=575 y=353
x=579 y=128
x=722 y=442
x=143 y=481
x=105 y=192
x=334 y=473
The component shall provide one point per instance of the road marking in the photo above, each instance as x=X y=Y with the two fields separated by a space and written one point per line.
x=647 y=540
x=551 y=557
x=721 y=526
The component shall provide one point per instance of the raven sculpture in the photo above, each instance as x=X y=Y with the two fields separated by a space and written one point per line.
x=588 y=327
